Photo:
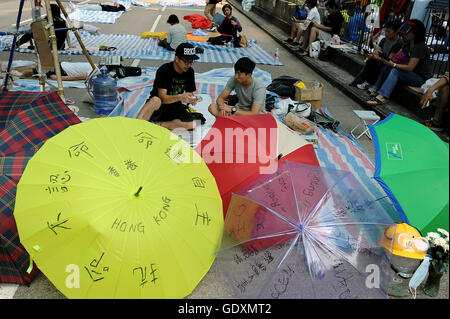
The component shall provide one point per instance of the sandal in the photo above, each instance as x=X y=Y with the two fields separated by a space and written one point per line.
x=376 y=101
x=434 y=125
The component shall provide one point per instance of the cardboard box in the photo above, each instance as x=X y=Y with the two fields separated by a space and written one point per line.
x=299 y=123
x=308 y=94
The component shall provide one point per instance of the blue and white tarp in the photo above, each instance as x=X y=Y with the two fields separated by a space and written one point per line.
x=181 y=3
x=134 y=47
x=95 y=16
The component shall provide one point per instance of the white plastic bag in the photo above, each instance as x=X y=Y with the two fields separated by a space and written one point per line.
x=314 y=49
x=429 y=83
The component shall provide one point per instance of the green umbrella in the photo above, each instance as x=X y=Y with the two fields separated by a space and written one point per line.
x=411 y=164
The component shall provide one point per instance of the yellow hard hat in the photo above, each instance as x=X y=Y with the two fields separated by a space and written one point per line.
x=405 y=241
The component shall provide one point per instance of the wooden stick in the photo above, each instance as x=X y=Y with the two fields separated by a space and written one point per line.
x=55 y=50
x=75 y=31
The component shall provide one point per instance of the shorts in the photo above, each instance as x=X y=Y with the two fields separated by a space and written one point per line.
x=303 y=25
x=323 y=35
x=170 y=112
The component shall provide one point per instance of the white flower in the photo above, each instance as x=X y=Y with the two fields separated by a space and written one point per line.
x=431 y=236
x=443 y=231
x=446 y=247
x=440 y=242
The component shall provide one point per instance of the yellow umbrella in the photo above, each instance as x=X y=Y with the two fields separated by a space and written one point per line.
x=119 y=208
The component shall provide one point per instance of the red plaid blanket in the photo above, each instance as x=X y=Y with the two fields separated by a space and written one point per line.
x=27 y=120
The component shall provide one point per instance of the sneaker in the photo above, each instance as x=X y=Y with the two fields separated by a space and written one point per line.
x=363 y=86
x=212 y=29
x=434 y=126
x=289 y=40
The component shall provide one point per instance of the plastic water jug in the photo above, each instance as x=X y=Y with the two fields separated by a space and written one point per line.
x=105 y=93
x=336 y=40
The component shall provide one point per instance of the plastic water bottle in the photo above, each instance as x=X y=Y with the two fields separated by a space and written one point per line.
x=276 y=56
x=105 y=93
x=316 y=85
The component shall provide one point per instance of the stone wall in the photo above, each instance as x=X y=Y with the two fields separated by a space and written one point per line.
x=278 y=15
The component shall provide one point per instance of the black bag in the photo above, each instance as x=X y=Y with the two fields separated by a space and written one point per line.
x=237 y=41
x=325 y=54
x=324 y=120
x=231 y=100
x=124 y=71
x=283 y=86
x=216 y=40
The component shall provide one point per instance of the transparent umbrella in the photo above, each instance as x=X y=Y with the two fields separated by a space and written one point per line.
x=305 y=232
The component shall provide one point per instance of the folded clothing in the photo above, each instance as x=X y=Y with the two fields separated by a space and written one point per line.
x=198 y=21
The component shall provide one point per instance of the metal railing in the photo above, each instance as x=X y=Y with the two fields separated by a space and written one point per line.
x=437 y=39
x=360 y=21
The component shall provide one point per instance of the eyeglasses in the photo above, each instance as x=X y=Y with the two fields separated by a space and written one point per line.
x=187 y=62
x=408 y=241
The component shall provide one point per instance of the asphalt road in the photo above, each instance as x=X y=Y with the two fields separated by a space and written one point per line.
x=141 y=19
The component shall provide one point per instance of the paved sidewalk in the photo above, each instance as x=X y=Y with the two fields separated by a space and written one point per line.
x=138 y=20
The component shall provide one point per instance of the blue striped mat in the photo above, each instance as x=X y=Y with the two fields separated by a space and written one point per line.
x=218 y=54
x=134 y=47
x=95 y=16
x=181 y=3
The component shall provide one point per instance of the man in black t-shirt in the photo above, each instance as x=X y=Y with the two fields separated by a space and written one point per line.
x=332 y=25
x=174 y=85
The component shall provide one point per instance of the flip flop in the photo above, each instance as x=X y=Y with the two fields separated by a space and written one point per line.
x=376 y=101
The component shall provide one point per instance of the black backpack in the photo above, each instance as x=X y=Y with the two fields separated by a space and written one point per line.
x=124 y=71
x=283 y=86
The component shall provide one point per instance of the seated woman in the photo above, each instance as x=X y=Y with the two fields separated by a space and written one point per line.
x=176 y=34
x=415 y=72
x=228 y=28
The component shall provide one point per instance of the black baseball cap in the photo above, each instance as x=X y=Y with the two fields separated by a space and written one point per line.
x=186 y=51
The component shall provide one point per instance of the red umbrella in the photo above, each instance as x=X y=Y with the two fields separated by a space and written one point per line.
x=239 y=149
x=27 y=120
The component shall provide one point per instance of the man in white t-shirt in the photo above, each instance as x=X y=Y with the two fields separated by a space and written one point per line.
x=299 y=26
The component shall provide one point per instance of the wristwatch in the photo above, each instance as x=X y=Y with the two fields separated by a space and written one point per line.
x=233 y=110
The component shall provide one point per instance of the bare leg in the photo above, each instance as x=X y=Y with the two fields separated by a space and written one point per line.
x=442 y=100
x=147 y=110
x=293 y=30
x=299 y=34
x=174 y=124
x=214 y=109
x=312 y=37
